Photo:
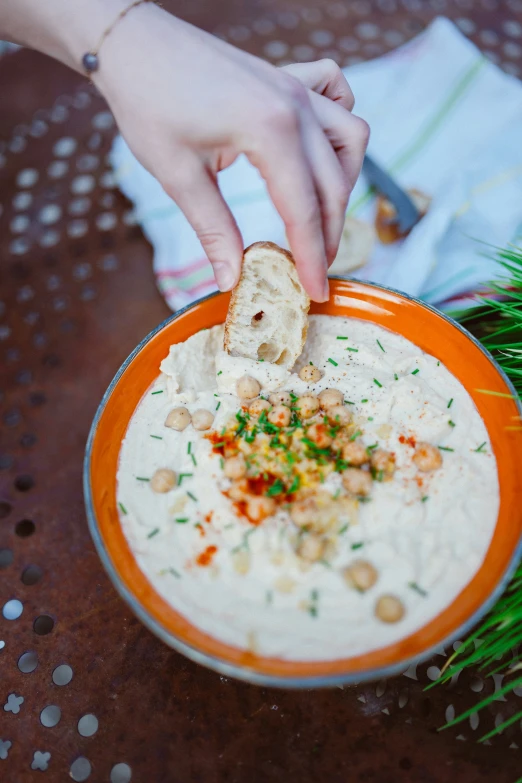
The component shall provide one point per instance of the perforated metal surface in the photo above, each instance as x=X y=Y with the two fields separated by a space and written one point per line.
x=86 y=692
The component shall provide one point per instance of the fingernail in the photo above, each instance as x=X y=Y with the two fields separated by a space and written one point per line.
x=225 y=277
x=326 y=290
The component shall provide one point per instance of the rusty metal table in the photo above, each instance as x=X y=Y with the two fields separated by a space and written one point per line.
x=86 y=692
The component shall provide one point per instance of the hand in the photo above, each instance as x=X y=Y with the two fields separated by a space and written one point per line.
x=188 y=104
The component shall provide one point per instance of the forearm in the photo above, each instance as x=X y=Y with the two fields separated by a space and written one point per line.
x=63 y=29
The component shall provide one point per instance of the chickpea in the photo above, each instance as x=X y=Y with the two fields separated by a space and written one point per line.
x=259 y=507
x=257 y=407
x=358 y=482
x=235 y=467
x=163 y=480
x=280 y=415
x=202 y=419
x=307 y=405
x=329 y=398
x=427 y=457
x=280 y=398
x=310 y=374
x=178 y=419
x=247 y=387
x=389 y=609
x=339 y=414
x=238 y=490
x=304 y=512
x=355 y=453
x=319 y=434
x=311 y=548
x=383 y=463
x=361 y=575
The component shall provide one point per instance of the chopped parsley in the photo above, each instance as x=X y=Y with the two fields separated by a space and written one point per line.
x=415 y=371
x=182 y=476
x=140 y=478
x=182 y=520
x=451 y=423
x=277 y=488
x=156 y=437
x=122 y=508
x=450 y=403
x=158 y=392
x=480 y=449
x=377 y=383
x=335 y=364
x=357 y=545
x=296 y=483
x=153 y=533
x=419 y=590
x=380 y=346
x=192 y=497
x=446 y=448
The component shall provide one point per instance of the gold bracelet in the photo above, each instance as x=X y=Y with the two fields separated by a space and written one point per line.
x=90 y=60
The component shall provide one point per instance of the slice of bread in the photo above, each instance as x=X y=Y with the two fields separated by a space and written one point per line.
x=268 y=313
x=355 y=248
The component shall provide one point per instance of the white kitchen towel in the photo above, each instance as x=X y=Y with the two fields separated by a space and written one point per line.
x=443 y=119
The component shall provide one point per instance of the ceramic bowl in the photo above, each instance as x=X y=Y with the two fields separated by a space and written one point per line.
x=430 y=330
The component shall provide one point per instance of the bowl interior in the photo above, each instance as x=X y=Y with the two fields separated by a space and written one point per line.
x=433 y=333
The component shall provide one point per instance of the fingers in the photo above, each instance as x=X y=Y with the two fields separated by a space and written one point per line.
x=347 y=134
x=196 y=192
x=325 y=78
x=278 y=152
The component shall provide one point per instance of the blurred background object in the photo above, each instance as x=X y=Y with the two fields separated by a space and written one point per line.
x=87 y=692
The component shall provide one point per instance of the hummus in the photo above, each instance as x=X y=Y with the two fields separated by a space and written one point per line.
x=323 y=535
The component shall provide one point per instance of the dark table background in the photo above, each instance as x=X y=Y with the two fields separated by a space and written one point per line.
x=76 y=295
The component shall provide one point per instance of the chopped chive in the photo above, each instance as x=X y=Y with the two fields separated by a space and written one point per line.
x=122 y=508
x=395 y=376
x=220 y=372
x=369 y=449
x=480 y=448
x=295 y=485
x=365 y=400
x=269 y=597
x=355 y=350
x=419 y=590
x=343 y=529
x=139 y=478
x=438 y=364
x=357 y=545
x=355 y=435
x=227 y=527
x=446 y=448
x=335 y=364
x=182 y=476
x=182 y=520
x=189 y=447
x=260 y=360
x=156 y=437
x=158 y=392
x=277 y=488
x=341 y=338
x=193 y=459
x=221 y=463
x=377 y=383
x=325 y=563
x=218 y=445
x=311 y=363
x=451 y=423
x=450 y=403
x=380 y=346
x=415 y=371
x=153 y=532
x=174 y=573
x=218 y=405
x=216 y=395
x=370 y=418
x=424 y=499
x=313 y=610
x=192 y=497
x=336 y=494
